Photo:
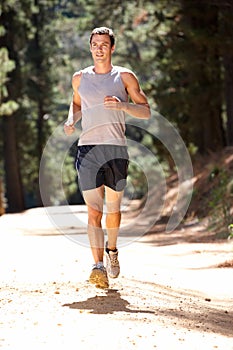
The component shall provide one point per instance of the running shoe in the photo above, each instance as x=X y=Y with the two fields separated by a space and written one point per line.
x=112 y=263
x=99 y=277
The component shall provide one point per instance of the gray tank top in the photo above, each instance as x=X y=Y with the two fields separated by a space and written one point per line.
x=99 y=125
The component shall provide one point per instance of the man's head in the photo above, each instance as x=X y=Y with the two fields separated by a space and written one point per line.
x=103 y=31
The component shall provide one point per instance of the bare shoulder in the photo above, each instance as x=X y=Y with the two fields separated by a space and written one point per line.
x=129 y=78
x=76 y=78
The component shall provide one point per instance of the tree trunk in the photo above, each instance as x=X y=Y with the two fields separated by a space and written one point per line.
x=205 y=77
x=13 y=182
x=39 y=24
x=2 y=199
x=228 y=65
x=14 y=191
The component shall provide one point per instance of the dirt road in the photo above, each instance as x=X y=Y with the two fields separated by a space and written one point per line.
x=170 y=294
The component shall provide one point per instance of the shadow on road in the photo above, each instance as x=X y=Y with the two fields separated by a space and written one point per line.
x=106 y=304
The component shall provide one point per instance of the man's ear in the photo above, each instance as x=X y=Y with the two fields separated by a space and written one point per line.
x=113 y=48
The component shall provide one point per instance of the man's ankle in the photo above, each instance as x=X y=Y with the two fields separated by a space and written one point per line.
x=111 y=249
x=99 y=264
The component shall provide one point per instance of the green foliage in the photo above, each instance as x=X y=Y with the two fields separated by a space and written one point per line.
x=230 y=229
x=137 y=181
x=221 y=200
x=7 y=65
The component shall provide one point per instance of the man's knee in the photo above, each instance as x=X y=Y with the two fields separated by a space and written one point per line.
x=94 y=217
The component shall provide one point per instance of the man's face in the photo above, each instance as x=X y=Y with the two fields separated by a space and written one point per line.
x=100 y=47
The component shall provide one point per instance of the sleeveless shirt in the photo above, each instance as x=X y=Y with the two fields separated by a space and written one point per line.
x=100 y=125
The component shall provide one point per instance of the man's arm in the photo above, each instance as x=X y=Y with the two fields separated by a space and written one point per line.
x=75 y=106
x=139 y=108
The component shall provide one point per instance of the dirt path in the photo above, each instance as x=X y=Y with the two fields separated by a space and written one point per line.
x=170 y=294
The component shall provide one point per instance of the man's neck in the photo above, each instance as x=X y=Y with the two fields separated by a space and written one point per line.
x=102 y=68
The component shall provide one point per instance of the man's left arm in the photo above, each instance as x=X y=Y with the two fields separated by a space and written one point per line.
x=139 y=108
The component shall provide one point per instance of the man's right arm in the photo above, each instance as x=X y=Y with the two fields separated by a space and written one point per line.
x=75 y=106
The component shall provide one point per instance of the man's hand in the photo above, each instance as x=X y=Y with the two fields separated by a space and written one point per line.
x=112 y=102
x=68 y=129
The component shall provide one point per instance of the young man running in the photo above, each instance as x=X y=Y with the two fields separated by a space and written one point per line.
x=101 y=98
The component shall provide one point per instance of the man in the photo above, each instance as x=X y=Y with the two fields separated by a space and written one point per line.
x=101 y=98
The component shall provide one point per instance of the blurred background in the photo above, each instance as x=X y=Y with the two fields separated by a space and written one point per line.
x=182 y=53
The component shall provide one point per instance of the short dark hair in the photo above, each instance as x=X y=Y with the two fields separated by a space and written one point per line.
x=102 y=31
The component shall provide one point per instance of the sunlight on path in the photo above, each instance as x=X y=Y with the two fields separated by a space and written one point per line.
x=168 y=297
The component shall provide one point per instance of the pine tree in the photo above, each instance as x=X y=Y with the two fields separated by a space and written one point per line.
x=41 y=79
x=226 y=52
x=16 y=29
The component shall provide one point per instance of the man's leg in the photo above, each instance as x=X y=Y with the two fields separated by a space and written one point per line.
x=94 y=199
x=113 y=219
x=113 y=216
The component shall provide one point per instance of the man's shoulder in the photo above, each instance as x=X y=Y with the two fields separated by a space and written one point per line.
x=121 y=69
x=87 y=70
x=124 y=72
x=84 y=71
x=77 y=76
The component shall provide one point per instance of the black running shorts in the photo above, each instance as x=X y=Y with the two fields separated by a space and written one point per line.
x=99 y=165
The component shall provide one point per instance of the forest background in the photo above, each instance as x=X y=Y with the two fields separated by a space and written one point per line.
x=181 y=51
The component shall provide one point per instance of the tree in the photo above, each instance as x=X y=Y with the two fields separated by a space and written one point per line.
x=201 y=81
x=29 y=37
x=226 y=51
x=14 y=35
x=189 y=89
x=41 y=78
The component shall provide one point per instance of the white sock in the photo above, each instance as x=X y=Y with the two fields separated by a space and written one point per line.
x=100 y=264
